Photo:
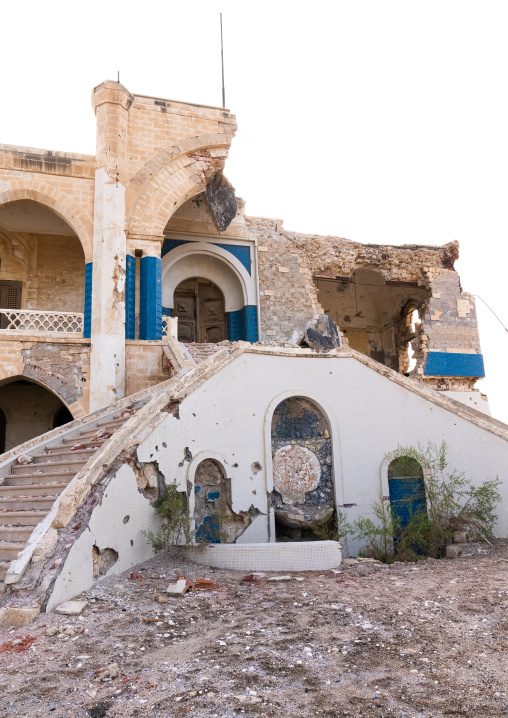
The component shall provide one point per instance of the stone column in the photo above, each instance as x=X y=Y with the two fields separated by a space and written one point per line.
x=111 y=102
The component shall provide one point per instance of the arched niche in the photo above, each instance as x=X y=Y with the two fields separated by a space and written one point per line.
x=303 y=495
x=199 y=260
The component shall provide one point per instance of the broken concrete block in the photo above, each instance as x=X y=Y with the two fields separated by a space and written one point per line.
x=177 y=589
x=324 y=335
x=454 y=550
x=18 y=616
x=460 y=537
x=71 y=608
x=220 y=195
x=349 y=561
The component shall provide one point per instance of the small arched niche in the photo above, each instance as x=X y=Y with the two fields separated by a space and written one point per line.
x=303 y=495
x=214 y=519
x=406 y=487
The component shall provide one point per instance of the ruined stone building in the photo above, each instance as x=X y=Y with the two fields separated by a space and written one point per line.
x=147 y=322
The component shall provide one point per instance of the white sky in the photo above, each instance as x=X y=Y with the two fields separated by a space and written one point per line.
x=380 y=121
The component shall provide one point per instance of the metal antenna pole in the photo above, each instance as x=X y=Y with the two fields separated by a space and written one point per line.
x=222 y=63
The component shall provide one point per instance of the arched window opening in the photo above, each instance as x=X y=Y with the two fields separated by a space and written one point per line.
x=303 y=496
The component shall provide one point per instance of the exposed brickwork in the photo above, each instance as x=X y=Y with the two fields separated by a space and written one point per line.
x=63 y=368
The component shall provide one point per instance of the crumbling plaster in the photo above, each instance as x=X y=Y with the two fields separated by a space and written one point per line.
x=351 y=394
x=116 y=523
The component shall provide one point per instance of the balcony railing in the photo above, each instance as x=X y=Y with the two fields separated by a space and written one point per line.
x=27 y=320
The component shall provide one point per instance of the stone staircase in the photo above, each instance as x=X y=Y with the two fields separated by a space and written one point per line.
x=30 y=490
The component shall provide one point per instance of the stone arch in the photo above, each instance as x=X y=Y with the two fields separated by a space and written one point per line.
x=396 y=454
x=169 y=179
x=60 y=203
x=29 y=407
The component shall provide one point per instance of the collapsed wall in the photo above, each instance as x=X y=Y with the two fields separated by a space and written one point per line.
x=400 y=305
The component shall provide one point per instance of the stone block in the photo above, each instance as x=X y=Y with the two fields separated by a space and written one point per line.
x=18 y=616
x=454 y=550
x=177 y=589
x=71 y=608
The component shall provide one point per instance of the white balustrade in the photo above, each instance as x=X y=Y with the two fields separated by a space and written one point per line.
x=27 y=320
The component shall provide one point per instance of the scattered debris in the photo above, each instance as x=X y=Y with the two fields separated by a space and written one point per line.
x=25 y=459
x=17 y=645
x=254 y=577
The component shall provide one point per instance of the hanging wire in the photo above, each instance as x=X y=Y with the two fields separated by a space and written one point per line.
x=493 y=312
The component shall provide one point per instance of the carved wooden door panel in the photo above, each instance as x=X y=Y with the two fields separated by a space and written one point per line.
x=212 y=327
x=185 y=310
x=199 y=306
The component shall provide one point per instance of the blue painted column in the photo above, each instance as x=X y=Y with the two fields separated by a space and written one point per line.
x=87 y=320
x=130 y=297
x=150 y=298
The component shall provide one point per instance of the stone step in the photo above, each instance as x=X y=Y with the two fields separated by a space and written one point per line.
x=50 y=467
x=34 y=479
x=15 y=533
x=66 y=443
x=21 y=518
x=63 y=455
x=10 y=550
x=26 y=504
x=30 y=491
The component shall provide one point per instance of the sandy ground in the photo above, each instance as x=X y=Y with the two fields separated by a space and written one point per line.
x=422 y=640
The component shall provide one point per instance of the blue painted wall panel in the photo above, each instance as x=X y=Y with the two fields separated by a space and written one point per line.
x=150 y=298
x=251 y=323
x=170 y=244
x=130 y=297
x=87 y=321
x=450 y=364
x=239 y=251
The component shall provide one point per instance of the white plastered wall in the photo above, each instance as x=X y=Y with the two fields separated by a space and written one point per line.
x=370 y=416
x=107 y=529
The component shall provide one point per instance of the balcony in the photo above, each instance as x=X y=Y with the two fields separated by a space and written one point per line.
x=31 y=321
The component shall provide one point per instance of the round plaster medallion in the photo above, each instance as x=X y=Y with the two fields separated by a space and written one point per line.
x=295 y=471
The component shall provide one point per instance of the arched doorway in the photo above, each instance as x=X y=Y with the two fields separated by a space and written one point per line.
x=199 y=306
x=303 y=497
x=407 y=488
x=29 y=410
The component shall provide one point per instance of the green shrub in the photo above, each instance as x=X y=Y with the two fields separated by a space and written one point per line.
x=174 y=526
x=453 y=504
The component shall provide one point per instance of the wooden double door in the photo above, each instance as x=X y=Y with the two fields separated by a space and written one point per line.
x=199 y=306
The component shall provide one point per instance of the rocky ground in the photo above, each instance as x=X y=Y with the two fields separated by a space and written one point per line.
x=423 y=640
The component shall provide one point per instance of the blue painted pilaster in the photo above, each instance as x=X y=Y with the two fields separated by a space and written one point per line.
x=150 y=298
x=87 y=320
x=130 y=297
